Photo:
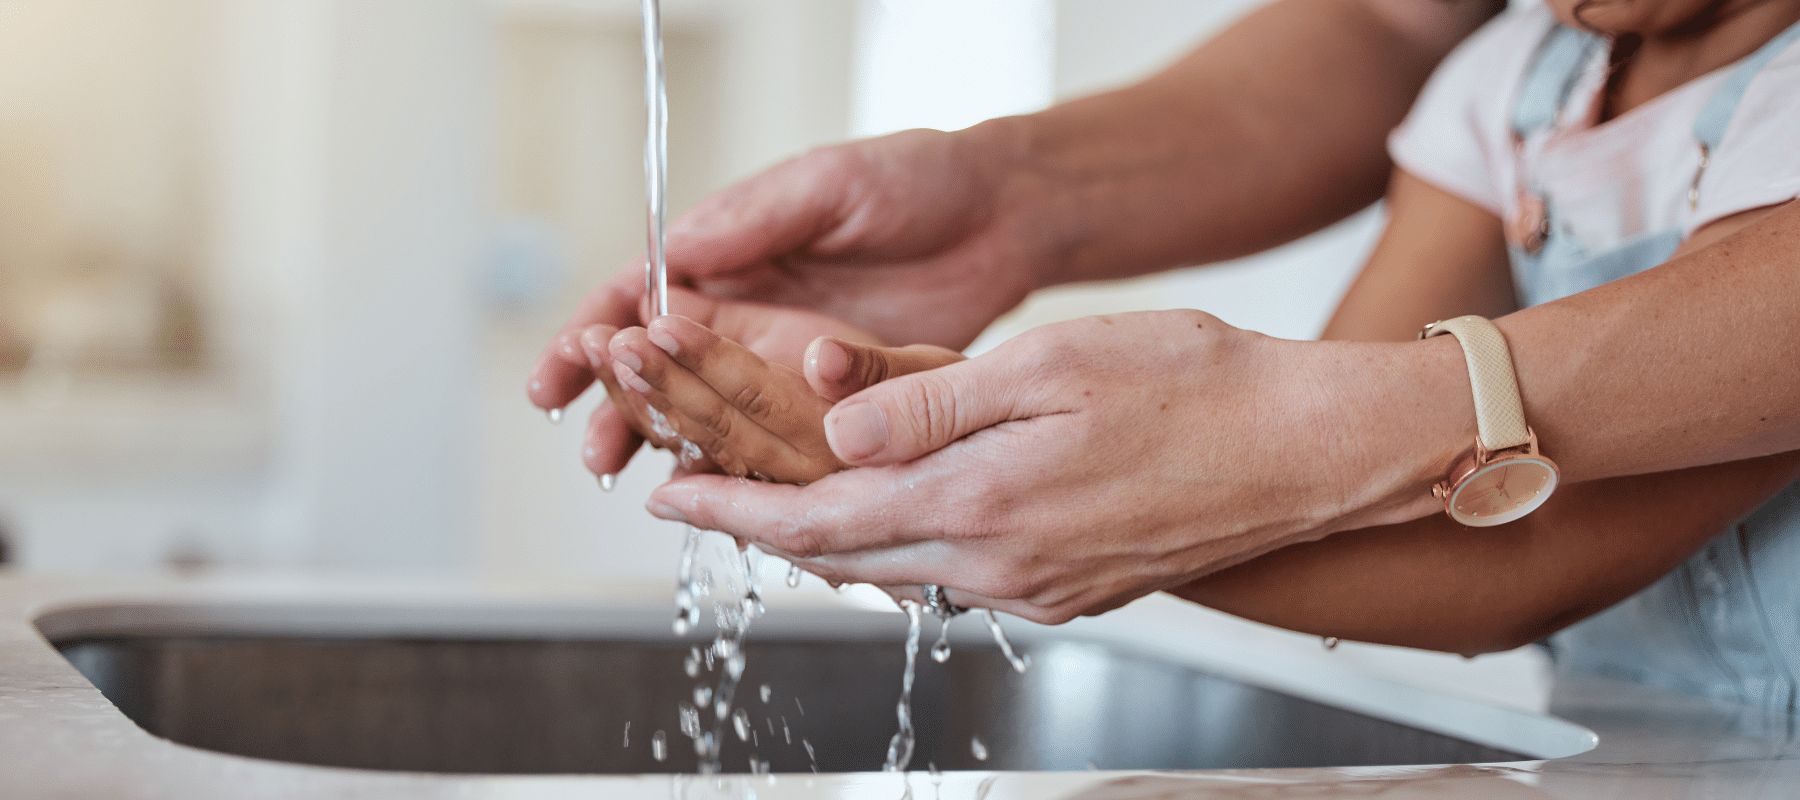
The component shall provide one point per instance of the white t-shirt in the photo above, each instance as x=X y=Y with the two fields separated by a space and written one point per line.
x=1611 y=182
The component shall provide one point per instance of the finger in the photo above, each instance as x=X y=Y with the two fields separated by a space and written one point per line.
x=775 y=397
x=836 y=369
x=844 y=511
x=777 y=333
x=912 y=415
x=562 y=371
x=696 y=410
x=778 y=212
x=610 y=442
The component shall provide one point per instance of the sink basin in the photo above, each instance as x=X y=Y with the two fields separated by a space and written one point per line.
x=535 y=690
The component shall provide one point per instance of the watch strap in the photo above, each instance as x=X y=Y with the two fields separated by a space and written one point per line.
x=1499 y=412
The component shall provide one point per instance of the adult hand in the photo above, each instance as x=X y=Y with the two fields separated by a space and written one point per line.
x=750 y=415
x=1081 y=465
x=902 y=236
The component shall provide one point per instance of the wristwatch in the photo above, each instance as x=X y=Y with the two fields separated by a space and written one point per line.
x=1504 y=477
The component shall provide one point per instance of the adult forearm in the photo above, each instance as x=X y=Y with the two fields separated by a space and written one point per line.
x=1242 y=145
x=1694 y=362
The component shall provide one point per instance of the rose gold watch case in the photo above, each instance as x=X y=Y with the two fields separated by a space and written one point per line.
x=1472 y=497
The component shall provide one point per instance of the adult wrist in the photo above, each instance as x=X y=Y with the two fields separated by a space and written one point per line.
x=1036 y=204
x=1406 y=416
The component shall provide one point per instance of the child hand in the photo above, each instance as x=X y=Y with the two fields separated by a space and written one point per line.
x=750 y=416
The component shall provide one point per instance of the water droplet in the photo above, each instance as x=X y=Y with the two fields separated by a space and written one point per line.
x=740 y=722
x=810 y=755
x=801 y=707
x=608 y=482
x=841 y=588
x=691 y=664
x=690 y=721
x=793 y=576
x=940 y=652
x=977 y=749
x=627 y=733
x=1330 y=642
x=659 y=746
x=703 y=695
x=765 y=692
x=555 y=415
x=1093 y=767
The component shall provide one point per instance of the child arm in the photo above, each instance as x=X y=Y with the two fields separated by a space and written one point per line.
x=1434 y=584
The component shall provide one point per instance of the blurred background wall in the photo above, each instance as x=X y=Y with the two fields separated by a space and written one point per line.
x=272 y=271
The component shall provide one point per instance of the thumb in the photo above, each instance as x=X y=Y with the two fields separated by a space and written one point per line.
x=914 y=415
x=837 y=369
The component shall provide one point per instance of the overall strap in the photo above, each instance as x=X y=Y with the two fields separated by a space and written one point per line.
x=1554 y=70
x=1716 y=115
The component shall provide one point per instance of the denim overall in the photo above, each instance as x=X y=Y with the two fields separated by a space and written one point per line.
x=1725 y=623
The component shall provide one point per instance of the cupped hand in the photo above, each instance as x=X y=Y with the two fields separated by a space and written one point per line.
x=749 y=415
x=617 y=428
x=904 y=236
x=1078 y=466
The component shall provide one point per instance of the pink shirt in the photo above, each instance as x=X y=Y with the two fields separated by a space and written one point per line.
x=1610 y=182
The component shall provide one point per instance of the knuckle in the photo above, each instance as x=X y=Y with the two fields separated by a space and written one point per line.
x=799 y=538
x=932 y=409
x=870 y=366
x=756 y=402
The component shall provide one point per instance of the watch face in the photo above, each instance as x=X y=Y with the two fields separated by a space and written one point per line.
x=1503 y=491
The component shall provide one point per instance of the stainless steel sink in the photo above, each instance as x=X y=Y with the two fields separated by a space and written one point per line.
x=535 y=692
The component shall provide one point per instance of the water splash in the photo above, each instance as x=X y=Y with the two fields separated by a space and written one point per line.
x=900 y=748
x=687 y=591
x=1019 y=663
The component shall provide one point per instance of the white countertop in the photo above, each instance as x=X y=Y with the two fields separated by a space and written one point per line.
x=59 y=738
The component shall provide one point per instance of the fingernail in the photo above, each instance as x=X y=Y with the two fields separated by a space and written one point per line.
x=629 y=379
x=832 y=361
x=667 y=512
x=593 y=341
x=662 y=339
x=629 y=359
x=857 y=431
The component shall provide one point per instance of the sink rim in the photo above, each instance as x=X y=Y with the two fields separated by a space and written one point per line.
x=1539 y=736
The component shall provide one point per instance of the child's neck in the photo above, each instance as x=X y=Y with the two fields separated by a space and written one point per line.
x=1645 y=67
